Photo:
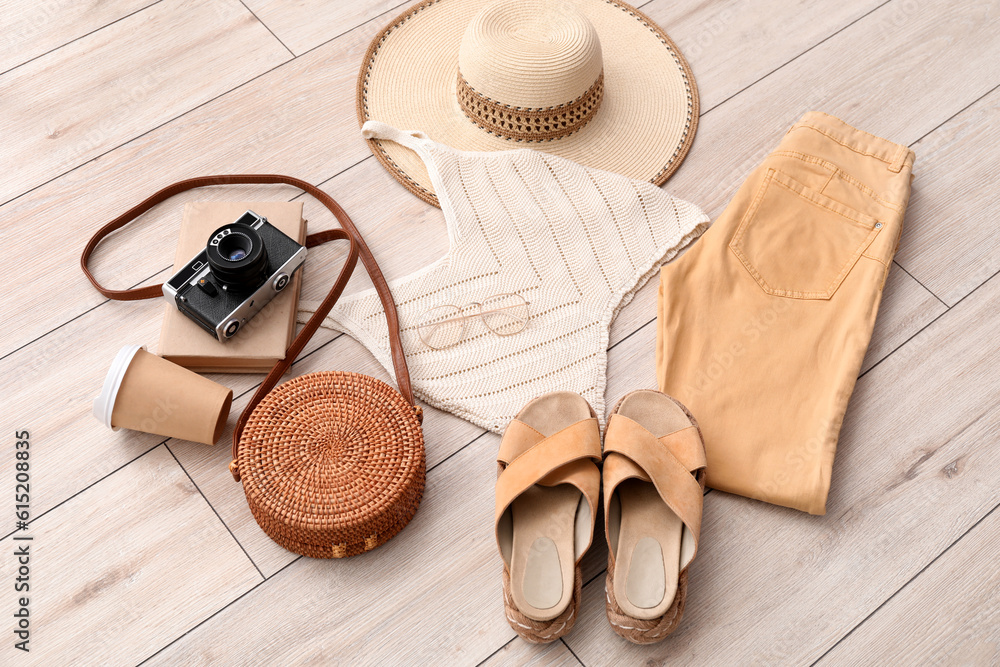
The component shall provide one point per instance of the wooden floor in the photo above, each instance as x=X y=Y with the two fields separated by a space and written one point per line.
x=144 y=550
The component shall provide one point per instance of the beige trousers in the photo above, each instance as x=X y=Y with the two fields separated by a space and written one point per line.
x=763 y=324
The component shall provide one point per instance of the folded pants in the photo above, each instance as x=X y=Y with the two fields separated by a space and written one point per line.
x=763 y=324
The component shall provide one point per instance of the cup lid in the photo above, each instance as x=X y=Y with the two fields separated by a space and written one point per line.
x=104 y=404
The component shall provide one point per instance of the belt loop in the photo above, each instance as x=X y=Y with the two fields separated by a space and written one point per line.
x=897 y=162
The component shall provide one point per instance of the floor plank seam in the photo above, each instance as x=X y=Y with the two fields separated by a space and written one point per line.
x=901 y=268
x=216 y=512
x=954 y=115
x=269 y=29
x=366 y=22
x=457 y=451
x=571 y=652
x=490 y=656
x=323 y=182
x=919 y=331
x=220 y=610
x=194 y=108
x=785 y=64
x=911 y=579
x=76 y=317
x=95 y=482
x=75 y=39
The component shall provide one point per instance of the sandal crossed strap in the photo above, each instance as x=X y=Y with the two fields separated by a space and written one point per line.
x=547 y=492
x=653 y=490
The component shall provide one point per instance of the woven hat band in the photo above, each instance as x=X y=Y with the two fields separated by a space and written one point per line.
x=525 y=123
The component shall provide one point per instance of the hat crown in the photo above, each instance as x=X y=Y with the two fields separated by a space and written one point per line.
x=531 y=54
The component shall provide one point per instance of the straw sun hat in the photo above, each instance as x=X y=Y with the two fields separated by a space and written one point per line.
x=593 y=81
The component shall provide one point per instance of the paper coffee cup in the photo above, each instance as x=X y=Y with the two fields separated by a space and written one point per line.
x=144 y=392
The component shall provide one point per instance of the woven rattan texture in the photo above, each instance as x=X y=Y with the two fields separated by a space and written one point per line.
x=332 y=464
x=542 y=632
x=526 y=124
x=369 y=109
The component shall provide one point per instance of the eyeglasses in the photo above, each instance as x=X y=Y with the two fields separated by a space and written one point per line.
x=444 y=326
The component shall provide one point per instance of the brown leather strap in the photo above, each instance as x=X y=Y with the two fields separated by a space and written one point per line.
x=350 y=233
x=303 y=336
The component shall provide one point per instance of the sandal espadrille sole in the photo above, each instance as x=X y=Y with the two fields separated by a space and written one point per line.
x=548 y=488
x=542 y=632
x=650 y=630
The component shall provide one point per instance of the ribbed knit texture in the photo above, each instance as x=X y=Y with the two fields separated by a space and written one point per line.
x=575 y=242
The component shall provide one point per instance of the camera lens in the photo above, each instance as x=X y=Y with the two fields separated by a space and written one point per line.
x=235 y=247
x=237 y=257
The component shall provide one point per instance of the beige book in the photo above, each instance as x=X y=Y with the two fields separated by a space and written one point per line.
x=265 y=338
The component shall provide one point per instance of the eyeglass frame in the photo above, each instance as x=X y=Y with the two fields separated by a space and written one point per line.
x=461 y=316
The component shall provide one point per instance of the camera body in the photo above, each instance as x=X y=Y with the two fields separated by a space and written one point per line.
x=245 y=264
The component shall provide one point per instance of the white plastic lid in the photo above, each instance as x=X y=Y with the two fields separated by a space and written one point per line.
x=104 y=404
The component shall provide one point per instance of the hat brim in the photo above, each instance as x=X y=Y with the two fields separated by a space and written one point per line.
x=643 y=128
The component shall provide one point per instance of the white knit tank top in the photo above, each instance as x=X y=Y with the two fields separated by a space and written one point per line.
x=575 y=242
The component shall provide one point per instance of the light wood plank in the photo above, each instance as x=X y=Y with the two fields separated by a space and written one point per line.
x=444 y=434
x=124 y=567
x=732 y=43
x=858 y=75
x=298 y=119
x=772 y=585
x=431 y=595
x=306 y=24
x=27 y=30
x=952 y=245
x=906 y=308
x=57 y=373
x=103 y=90
x=949 y=615
x=523 y=654
x=864 y=75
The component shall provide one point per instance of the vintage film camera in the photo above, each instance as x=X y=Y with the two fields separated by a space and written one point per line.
x=245 y=264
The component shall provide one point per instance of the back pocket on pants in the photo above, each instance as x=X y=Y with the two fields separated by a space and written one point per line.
x=799 y=243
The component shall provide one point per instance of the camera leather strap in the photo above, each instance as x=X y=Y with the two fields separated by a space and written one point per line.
x=349 y=233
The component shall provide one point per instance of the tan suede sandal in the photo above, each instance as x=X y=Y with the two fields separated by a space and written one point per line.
x=654 y=481
x=548 y=486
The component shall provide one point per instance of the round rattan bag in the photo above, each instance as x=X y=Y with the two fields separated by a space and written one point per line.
x=332 y=463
